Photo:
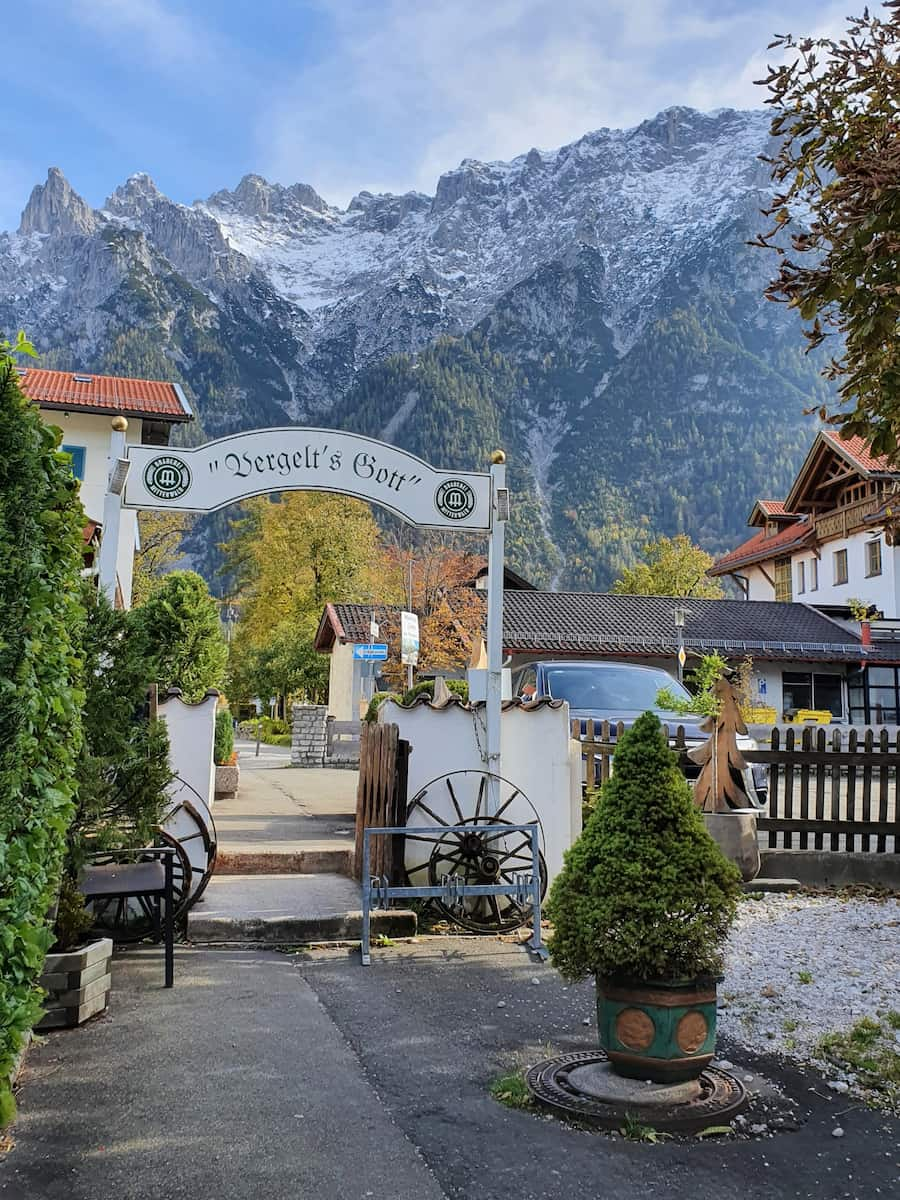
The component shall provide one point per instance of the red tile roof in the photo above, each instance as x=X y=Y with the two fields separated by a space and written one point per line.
x=857 y=449
x=105 y=393
x=759 y=547
x=772 y=508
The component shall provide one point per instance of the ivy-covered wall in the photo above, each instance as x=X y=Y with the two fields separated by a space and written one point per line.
x=40 y=701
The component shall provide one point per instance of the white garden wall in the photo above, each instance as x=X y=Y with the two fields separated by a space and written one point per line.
x=535 y=754
x=192 y=731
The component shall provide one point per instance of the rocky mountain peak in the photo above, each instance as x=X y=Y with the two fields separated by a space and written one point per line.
x=254 y=196
x=137 y=192
x=55 y=207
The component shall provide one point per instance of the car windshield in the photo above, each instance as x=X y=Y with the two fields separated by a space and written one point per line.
x=611 y=688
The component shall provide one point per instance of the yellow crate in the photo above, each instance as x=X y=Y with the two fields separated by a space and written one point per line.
x=760 y=715
x=812 y=716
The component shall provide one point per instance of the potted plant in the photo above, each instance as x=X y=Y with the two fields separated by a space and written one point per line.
x=644 y=903
x=228 y=773
x=122 y=776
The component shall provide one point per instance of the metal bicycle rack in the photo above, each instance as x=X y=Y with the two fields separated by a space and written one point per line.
x=524 y=887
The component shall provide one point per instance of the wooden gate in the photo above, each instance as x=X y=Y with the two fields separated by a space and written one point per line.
x=381 y=796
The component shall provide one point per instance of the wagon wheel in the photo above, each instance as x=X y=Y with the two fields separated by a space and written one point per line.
x=130 y=918
x=487 y=858
x=189 y=821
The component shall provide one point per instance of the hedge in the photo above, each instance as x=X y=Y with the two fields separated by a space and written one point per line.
x=40 y=701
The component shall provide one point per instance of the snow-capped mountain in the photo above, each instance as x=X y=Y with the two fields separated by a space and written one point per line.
x=596 y=308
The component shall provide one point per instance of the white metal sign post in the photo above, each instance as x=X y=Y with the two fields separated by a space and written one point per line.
x=209 y=477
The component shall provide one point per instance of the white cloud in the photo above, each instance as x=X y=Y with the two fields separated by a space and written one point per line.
x=152 y=33
x=412 y=87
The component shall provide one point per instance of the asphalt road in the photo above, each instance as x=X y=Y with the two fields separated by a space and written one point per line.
x=273 y=1077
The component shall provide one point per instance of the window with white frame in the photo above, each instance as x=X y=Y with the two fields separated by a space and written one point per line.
x=801 y=577
x=813 y=574
x=839 y=559
x=873 y=557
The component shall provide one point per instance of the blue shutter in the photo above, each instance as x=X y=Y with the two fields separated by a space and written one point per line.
x=77 y=454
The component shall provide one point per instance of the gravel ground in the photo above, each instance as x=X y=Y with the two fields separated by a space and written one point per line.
x=849 y=949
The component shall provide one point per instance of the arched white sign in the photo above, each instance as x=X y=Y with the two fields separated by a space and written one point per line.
x=297 y=459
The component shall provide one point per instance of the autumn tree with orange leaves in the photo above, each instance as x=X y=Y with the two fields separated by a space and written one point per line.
x=433 y=578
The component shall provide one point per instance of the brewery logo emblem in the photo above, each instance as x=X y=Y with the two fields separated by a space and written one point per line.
x=455 y=499
x=166 y=477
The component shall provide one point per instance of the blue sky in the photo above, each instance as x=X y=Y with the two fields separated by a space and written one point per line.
x=352 y=94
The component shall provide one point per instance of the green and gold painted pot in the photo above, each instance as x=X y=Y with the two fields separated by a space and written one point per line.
x=658 y=1030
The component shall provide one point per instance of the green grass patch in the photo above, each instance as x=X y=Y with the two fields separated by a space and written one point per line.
x=869 y=1049
x=805 y=976
x=512 y=1090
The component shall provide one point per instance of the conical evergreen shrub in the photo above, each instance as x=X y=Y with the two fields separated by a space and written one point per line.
x=645 y=893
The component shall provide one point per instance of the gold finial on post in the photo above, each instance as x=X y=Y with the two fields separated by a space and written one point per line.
x=120 y=424
x=498 y=456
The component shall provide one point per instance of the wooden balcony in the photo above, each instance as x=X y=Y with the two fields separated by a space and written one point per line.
x=842 y=521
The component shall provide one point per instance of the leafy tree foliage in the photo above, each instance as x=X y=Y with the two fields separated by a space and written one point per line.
x=287 y=664
x=702 y=682
x=124 y=769
x=292 y=555
x=836 y=115
x=645 y=893
x=433 y=575
x=40 y=699
x=161 y=538
x=177 y=630
x=671 y=567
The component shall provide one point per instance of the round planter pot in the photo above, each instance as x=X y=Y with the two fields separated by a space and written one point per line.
x=735 y=834
x=665 y=1032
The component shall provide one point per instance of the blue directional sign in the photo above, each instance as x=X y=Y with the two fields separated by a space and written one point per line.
x=371 y=651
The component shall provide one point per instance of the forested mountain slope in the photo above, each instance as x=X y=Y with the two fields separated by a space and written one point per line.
x=595 y=310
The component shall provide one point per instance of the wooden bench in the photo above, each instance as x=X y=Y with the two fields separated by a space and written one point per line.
x=149 y=882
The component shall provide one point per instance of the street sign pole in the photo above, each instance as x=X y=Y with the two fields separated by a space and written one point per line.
x=107 y=565
x=499 y=515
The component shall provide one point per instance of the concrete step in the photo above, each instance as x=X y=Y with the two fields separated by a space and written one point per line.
x=761 y=884
x=337 y=861
x=287 y=909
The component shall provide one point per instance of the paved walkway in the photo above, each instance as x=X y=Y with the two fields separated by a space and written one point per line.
x=285 y=854
x=278 y=1077
x=286 y=809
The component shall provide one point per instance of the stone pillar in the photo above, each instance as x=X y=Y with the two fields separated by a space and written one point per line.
x=308 y=735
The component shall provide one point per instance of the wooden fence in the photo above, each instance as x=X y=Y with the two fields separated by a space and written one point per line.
x=834 y=791
x=828 y=789
x=381 y=796
x=598 y=745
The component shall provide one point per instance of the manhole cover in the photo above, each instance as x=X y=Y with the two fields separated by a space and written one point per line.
x=714 y=1099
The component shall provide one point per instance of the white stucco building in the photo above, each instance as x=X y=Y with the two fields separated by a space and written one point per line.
x=83 y=406
x=830 y=541
x=830 y=544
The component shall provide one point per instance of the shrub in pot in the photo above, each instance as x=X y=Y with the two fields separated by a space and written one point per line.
x=644 y=903
x=228 y=773
x=223 y=747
